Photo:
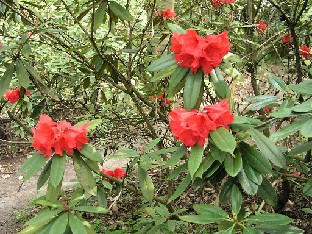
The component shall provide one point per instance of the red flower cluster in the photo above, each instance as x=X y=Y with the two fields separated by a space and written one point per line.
x=117 y=173
x=217 y=3
x=261 y=27
x=167 y=14
x=305 y=51
x=60 y=136
x=193 y=127
x=267 y=110
x=165 y=101
x=194 y=51
x=296 y=173
x=14 y=95
x=287 y=38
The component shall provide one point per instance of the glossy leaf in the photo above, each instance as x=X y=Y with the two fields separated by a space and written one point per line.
x=237 y=199
x=249 y=187
x=177 y=76
x=146 y=184
x=210 y=211
x=226 y=189
x=57 y=170
x=6 y=79
x=252 y=173
x=191 y=93
x=195 y=159
x=161 y=63
x=204 y=166
x=76 y=225
x=278 y=83
x=233 y=164
x=217 y=154
x=223 y=139
x=267 y=192
x=269 y=149
x=269 y=219
x=60 y=224
x=90 y=152
x=200 y=219
x=180 y=189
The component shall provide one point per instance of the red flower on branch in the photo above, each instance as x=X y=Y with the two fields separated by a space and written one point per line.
x=193 y=51
x=217 y=3
x=261 y=27
x=14 y=95
x=117 y=173
x=167 y=14
x=305 y=51
x=287 y=38
x=58 y=136
x=165 y=101
x=267 y=110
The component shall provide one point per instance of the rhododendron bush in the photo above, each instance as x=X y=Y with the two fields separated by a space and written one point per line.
x=206 y=97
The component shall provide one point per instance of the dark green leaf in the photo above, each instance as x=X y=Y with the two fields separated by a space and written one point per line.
x=233 y=163
x=44 y=216
x=287 y=229
x=76 y=225
x=195 y=159
x=60 y=224
x=210 y=211
x=172 y=161
x=146 y=184
x=151 y=144
x=180 y=189
x=226 y=189
x=90 y=152
x=6 y=79
x=204 y=166
x=278 y=83
x=91 y=209
x=161 y=63
x=176 y=28
x=252 y=173
x=307 y=189
x=121 y=12
x=52 y=193
x=99 y=15
x=33 y=165
x=223 y=139
x=166 y=72
x=57 y=169
x=191 y=93
x=250 y=230
x=177 y=171
x=22 y=74
x=269 y=150
x=249 y=187
x=237 y=199
x=101 y=196
x=177 y=76
x=269 y=219
x=200 y=219
x=56 y=204
x=217 y=154
x=267 y=192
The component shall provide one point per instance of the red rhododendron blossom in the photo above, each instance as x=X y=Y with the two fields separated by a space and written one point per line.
x=296 y=173
x=305 y=51
x=217 y=3
x=169 y=14
x=220 y=114
x=117 y=173
x=161 y=97
x=60 y=136
x=287 y=38
x=267 y=110
x=190 y=127
x=14 y=95
x=193 y=51
x=261 y=27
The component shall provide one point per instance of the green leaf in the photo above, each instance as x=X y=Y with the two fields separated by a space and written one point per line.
x=146 y=184
x=305 y=87
x=6 y=79
x=90 y=152
x=91 y=209
x=250 y=230
x=121 y=12
x=233 y=163
x=57 y=169
x=249 y=187
x=176 y=28
x=177 y=76
x=166 y=72
x=269 y=219
x=56 y=204
x=287 y=229
x=269 y=150
x=306 y=129
x=303 y=107
x=174 y=90
x=195 y=159
x=172 y=161
x=22 y=74
x=237 y=199
x=161 y=63
x=261 y=101
x=60 y=224
x=199 y=219
x=93 y=165
x=307 y=210
x=34 y=229
x=180 y=189
x=278 y=83
x=255 y=158
x=178 y=171
x=101 y=196
x=52 y=193
x=223 y=139
x=76 y=225
x=99 y=15
x=191 y=93
x=217 y=154
x=33 y=165
x=220 y=86
x=226 y=189
x=307 y=189
x=204 y=166
x=84 y=175
x=26 y=50
x=44 y=216
x=211 y=211
x=151 y=144
x=287 y=130
x=252 y=173
x=93 y=124
x=267 y=192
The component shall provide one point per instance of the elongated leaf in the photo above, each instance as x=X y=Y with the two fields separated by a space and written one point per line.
x=176 y=28
x=226 y=189
x=269 y=219
x=223 y=139
x=221 y=87
x=307 y=189
x=252 y=173
x=177 y=76
x=233 y=164
x=191 y=93
x=164 y=73
x=57 y=170
x=255 y=158
x=6 y=79
x=91 y=209
x=261 y=101
x=177 y=171
x=305 y=87
x=237 y=199
x=151 y=144
x=174 y=90
x=76 y=225
x=146 y=184
x=210 y=211
x=44 y=216
x=285 y=229
x=269 y=150
x=52 y=193
x=161 y=63
x=287 y=130
x=101 y=196
x=217 y=154
x=33 y=165
x=90 y=152
x=303 y=107
x=121 y=12
x=180 y=189
x=278 y=83
x=84 y=175
x=250 y=230
x=200 y=219
x=249 y=187
x=22 y=74
x=204 y=166
x=56 y=204
x=267 y=192
x=34 y=229
x=172 y=161
x=306 y=129
x=195 y=159
x=60 y=224
x=99 y=15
